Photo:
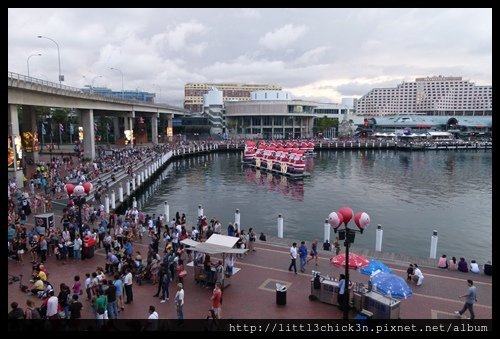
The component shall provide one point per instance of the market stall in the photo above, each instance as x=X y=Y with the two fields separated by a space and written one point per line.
x=216 y=244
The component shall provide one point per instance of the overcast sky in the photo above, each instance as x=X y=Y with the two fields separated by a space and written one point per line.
x=318 y=54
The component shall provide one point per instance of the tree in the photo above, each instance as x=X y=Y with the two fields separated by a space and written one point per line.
x=324 y=123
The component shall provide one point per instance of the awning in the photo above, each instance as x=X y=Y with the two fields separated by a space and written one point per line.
x=217 y=243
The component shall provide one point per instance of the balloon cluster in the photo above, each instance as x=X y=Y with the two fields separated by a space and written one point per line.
x=79 y=189
x=344 y=215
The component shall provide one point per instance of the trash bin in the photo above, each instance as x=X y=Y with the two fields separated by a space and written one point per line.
x=88 y=247
x=281 y=294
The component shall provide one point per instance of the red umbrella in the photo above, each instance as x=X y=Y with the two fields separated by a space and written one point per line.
x=355 y=260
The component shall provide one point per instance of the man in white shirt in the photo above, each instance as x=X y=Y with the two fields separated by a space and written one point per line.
x=293 y=257
x=418 y=274
x=52 y=306
x=127 y=281
x=152 y=324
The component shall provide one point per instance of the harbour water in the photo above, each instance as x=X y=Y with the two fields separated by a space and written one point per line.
x=409 y=193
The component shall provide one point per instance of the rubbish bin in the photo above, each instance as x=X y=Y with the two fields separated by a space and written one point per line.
x=88 y=247
x=281 y=294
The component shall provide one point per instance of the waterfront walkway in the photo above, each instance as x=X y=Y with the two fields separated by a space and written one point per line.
x=252 y=294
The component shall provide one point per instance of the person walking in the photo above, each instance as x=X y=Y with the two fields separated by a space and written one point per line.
x=217 y=300
x=336 y=244
x=303 y=255
x=469 y=302
x=293 y=257
x=179 y=303
x=314 y=252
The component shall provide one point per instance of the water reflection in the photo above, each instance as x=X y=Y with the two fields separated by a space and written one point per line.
x=290 y=188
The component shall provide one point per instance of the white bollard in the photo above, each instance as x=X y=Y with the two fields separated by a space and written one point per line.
x=280 y=226
x=200 y=211
x=167 y=212
x=133 y=185
x=326 y=231
x=113 y=199
x=378 y=238
x=120 y=193
x=134 y=202
x=128 y=188
x=106 y=204
x=434 y=244
x=237 y=216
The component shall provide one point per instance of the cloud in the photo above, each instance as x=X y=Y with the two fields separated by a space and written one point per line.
x=283 y=37
x=313 y=56
x=177 y=37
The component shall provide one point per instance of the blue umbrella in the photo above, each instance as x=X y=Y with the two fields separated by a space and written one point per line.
x=375 y=265
x=391 y=285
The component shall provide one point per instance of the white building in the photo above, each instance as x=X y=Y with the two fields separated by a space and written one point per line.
x=436 y=95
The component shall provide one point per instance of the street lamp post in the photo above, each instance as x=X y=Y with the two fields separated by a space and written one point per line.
x=116 y=69
x=335 y=219
x=92 y=83
x=28 y=61
x=78 y=193
x=61 y=77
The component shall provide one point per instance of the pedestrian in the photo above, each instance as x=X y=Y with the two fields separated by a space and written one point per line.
x=327 y=246
x=341 y=294
x=152 y=324
x=217 y=300
x=336 y=244
x=251 y=240
x=293 y=257
x=303 y=255
x=418 y=276
x=469 y=302
x=179 y=303
x=314 y=252
x=409 y=272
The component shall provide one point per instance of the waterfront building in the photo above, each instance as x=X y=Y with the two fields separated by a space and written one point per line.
x=437 y=95
x=193 y=93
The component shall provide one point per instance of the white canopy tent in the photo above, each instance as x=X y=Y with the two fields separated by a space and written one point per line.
x=217 y=243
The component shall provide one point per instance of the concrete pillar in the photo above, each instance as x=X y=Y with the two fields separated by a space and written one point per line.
x=133 y=185
x=120 y=193
x=237 y=216
x=126 y=123
x=113 y=199
x=167 y=212
x=434 y=244
x=17 y=173
x=326 y=231
x=116 y=128
x=128 y=188
x=280 y=226
x=154 y=129
x=138 y=179
x=87 y=122
x=378 y=238
x=106 y=204
x=200 y=211
x=134 y=202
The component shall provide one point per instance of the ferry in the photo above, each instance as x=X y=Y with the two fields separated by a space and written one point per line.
x=288 y=159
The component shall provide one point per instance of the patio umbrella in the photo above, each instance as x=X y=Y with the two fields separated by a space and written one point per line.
x=374 y=266
x=391 y=285
x=355 y=260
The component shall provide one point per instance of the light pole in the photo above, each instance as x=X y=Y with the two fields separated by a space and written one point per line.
x=77 y=193
x=159 y=89
x=92 y=83
x=61 y=77
x=116 y=69
x=335 y=219
x=28 y=62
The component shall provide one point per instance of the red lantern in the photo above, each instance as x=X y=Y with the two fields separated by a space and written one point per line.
x=335 y=219
x=69 y=188
x=347 y=214
x=362 y=220
x=87 y=187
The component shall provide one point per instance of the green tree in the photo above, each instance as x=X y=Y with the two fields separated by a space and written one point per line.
x=324 y=123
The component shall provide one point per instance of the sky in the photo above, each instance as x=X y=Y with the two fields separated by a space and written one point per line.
x=316 y=54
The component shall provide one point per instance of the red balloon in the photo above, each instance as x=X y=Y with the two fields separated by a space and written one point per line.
x=87 y=187
x=362 y=220
x=69 y=188
x=347 y=214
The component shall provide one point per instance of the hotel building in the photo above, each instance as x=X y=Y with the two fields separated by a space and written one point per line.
x=437 y=95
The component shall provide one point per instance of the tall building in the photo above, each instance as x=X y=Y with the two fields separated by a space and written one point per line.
x=193 y=93
x=437 y=95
